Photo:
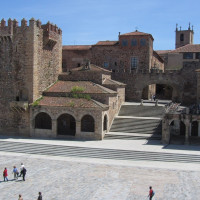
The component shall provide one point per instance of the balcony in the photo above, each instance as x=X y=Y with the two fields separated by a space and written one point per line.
x=19 y=106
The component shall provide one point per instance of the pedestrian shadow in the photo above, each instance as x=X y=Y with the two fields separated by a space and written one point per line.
x=19 y=180
x=7 y=181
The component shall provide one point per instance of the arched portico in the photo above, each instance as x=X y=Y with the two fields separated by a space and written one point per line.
x=66 y=125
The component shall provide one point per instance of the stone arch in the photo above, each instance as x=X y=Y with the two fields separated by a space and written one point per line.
x=43 y=121
x=105 y=123
x=174 y=127
x=176 y=94
x=194 y=128
x=87 y=124
x=66 y=125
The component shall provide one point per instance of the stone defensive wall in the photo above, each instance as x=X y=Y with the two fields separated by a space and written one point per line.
x=184 y=83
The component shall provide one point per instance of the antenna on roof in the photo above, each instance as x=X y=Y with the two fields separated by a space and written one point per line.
x=136 y=28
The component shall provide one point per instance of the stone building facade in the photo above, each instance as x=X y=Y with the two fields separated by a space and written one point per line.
x=69 y=114
x=133 y=61
x=132 y=52
x=30 y=61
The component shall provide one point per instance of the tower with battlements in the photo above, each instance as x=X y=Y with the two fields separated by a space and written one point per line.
x=30 y=61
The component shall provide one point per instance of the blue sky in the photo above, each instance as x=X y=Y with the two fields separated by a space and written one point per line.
x=90 y=21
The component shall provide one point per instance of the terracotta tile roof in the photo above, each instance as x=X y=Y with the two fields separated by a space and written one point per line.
x=112 y=82
x=160 y=52
x=187 y=48
x=137 y=33
x=89 y=87
x=104 y=43
x=71 y=102
x=76 y=47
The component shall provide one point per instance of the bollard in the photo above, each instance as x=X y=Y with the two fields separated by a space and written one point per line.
x=156 y=103
x=141 y=102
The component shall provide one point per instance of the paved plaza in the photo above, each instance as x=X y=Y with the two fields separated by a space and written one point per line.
x=73 y=178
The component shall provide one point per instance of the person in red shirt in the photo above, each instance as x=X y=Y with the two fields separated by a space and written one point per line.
x=5 y=174
x=150 y=193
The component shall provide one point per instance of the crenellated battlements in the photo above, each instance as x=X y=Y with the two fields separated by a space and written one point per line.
x=9 y=27
x=152 y=72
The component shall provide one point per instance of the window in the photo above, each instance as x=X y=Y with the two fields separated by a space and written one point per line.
x=182 y=37
x=197 y=56
x=134 y=63
x=106 y=64
x=133 y=42
x=124 y=42
x=188 y=55
x=143 y=42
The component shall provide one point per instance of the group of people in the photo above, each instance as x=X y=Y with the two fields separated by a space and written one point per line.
x=39 y=197
x=15 y=172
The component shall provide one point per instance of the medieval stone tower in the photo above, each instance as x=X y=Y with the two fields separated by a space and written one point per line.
x=30 y=61
x=184 y=37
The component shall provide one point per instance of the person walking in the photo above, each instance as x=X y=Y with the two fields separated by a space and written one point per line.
x=151 y=193
x=40 y=196
x=23 y=172
x=16 y=173
x=5 y=174
x=20 y=197
x=21 y=168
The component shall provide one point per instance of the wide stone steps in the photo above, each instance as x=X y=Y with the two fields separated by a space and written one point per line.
x=145 y=121
x=124 y=136
x=131 y=125
x=84 y=152
x=141 y=111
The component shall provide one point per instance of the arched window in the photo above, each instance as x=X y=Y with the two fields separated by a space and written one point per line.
x=43 y=121
x=105 y=123
x=182 y=37
x=66 y=125
x=87 y=123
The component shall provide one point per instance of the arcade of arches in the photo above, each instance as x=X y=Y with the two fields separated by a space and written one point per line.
x=66 y=123
x=183 y=129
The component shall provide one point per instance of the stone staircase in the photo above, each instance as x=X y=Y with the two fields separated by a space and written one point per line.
x=137 y=122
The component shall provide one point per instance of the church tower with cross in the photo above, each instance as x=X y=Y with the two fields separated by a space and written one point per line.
x=184 y=37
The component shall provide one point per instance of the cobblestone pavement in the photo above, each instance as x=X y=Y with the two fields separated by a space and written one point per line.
x=65 y=179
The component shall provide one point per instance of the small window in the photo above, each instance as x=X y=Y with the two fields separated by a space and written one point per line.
x=134 y=63
x=143 y=42
x=106 y=64
x=133 y=42
x=182 y=37
x=115 y=63
x=124 y=43
x=188 y=55
x=197 y=56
